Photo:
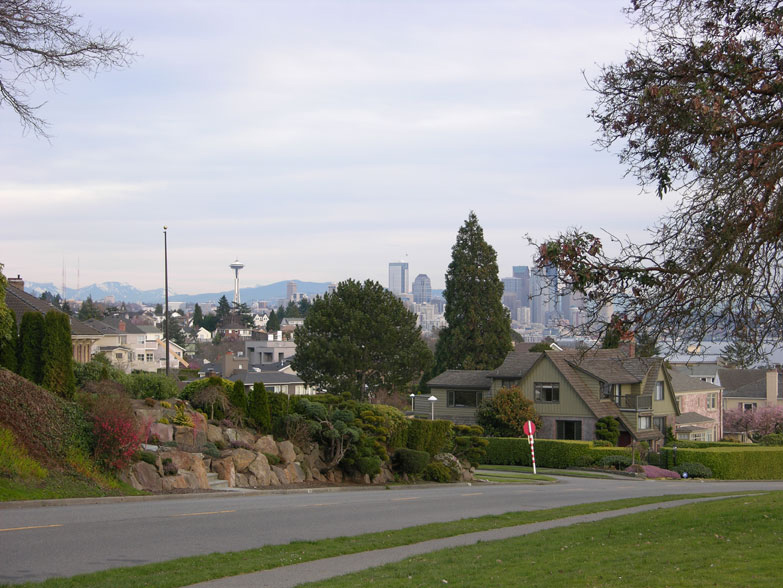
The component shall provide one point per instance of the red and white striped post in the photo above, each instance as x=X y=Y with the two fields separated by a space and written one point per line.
x=529 y=429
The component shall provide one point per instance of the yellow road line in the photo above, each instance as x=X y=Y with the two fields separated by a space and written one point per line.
x=199 y=514
x=27 y=528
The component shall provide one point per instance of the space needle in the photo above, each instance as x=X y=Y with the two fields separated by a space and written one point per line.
x=236 y=266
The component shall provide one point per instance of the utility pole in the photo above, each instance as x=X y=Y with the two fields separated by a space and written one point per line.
x=166 y=273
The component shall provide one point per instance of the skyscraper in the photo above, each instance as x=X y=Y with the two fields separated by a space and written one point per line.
x=398 y=277
x=290 y=290
x=523 y=273
x=422 y=289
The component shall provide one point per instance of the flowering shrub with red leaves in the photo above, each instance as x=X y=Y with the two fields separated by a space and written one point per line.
x=116 y=433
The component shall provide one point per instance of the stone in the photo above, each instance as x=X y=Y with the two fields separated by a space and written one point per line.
x=267 y=444
x=287 y=452
x=295 y=473
x=189 y=436
x=170 y=483
x=252 y=481
x=245 y=436
x=128 y=477
x=282 y=474
x=225 y=470
x=261 y=470
x=192 y=482
x=189 y=462
x=317 y=476
x=147 y=476
x=242 y=481
x=230 y=435
x=165 y=433
x=214 y=434
x=243 y=458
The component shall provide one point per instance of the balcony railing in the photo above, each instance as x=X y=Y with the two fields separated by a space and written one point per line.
x=634 y=402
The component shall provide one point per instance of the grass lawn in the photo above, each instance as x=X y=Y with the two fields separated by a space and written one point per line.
x=726 y=543
x=181 y=572
x=59 y=484
x=549 y=471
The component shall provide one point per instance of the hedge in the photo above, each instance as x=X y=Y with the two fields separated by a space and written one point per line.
x=732 y=463
x=430 y=436
x=684 y=443
x=550 y=453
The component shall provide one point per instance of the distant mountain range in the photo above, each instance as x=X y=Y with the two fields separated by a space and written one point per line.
x=123 y=292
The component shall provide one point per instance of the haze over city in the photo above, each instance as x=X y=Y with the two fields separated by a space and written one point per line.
x=317 y=141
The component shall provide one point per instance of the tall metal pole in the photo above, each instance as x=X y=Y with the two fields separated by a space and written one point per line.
x=166 y=271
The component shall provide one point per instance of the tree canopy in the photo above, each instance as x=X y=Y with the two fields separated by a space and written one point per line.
x=42 y=42
x=693 y=110
x=359 y=339
x=478 y=334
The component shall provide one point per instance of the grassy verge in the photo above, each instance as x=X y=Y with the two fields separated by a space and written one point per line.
x=512 y=477
x=549 y=471
x=733 y=542
x=59 y=484
x=190 y=570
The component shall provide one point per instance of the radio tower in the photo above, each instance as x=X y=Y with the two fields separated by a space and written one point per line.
x=236 y=266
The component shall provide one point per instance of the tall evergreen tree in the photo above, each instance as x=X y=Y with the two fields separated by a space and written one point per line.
x=89 y=310
x=58 y=376
x=292 y=310
x=478 y=333
x=273 y=324
x=198 y=317
x=258 y=408
x=238 y=398
x=223 y=308
x=9 y=347
x=31 y=334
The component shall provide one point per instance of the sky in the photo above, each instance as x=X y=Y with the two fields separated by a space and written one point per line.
x=316 y=141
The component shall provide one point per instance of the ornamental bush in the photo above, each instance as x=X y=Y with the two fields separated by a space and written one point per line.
x=693 y=469
x=437 y=472
x=410 y=461
x=618 y=462
x=150 y=385
x=733 y=463
x=472 y=449
x=430 y=436
x=551 y=453
x=607 y=429
x=116 y=432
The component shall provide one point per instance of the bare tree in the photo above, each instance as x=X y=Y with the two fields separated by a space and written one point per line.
x=695 y=110
x=41 y=42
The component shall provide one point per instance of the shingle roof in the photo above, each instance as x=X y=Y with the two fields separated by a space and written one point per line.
x=681 y=383
x=746 y=383
x=21 y=302
x=690 y=418
x=268 y=378
x=476 y=379
x=517 y=363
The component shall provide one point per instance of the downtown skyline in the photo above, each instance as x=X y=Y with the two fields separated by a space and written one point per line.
x=317 y=141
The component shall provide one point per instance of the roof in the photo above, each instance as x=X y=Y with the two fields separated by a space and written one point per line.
x=708 y=369
x=475 y=379
x=690 y=418
x=21 y=302
x=517 y=363
x=683 y=383
x=751 y=383
x=268 y=378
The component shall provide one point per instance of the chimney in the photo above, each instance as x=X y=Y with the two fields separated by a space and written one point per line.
x=16 y=282
x=772 y=387
x=628 y=347
x=121 y=327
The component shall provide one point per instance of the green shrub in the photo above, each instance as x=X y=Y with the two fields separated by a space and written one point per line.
x=146 y=456
x=732 y=463
x=368 y=465
x=437 y=472
x=693 y=469
x=169 y=467
x=607 y=429
x=182 y=418
x=584 y=461
x=150 y=385
x=190 y=389
x=550 y=453
x=430 y=436
x=410 y=461
x=272 y=458
x=772 y=440
x=602 y=443
x=211 y=450
x=618 y=462
x=654 y=458
x=472 y=449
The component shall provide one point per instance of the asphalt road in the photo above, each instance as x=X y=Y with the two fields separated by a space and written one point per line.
x=41 y=542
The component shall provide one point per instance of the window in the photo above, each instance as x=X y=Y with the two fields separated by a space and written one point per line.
x=569 y=430
x=547 y=392
x=660 y=424
x=463 y=398
x=712 y=400
x=612 y=391
x=659 y=390
x=748 y=406
x=140 y=357
x=645 y=422
x=150 y=357
x=118 y=355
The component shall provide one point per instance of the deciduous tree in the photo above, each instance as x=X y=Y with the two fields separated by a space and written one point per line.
x=478 y=334
x=43 y=42
x=360 y=339
x=694 y=110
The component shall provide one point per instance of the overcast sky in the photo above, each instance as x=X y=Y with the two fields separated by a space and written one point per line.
x=316 y=141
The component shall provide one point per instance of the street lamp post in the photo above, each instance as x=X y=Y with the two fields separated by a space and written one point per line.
x=432 y=400
x=413 y=407
x=166 y=274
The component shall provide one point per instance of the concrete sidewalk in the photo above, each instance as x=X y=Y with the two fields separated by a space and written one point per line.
x=323 y=569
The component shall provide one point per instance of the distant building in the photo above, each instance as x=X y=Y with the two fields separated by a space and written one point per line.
x=422 y=289
x=290 y=290
x=398 y=277
x=522 y=272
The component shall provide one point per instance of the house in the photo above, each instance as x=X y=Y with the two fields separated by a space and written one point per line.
x=751 y=388
x=571 y=391
x=279 y=381
x=203 y=336
x=272 y=350
x=135 y=347
x=82 y=335
x=701 y=407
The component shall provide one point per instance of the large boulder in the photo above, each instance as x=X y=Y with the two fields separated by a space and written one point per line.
x=189 y=437
x=243 y=458
x=147 y=476
x=242 y=481
x=287 y=452
x=230 y=435
x=295 y=473
x=214 y=434
x=189 y=462
x=261 y=470
x=225 y=470
x=267 y=444
x=165 y=433
x=245 y=436
x=282 y=474
x=177 y=482
x=193 y=481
